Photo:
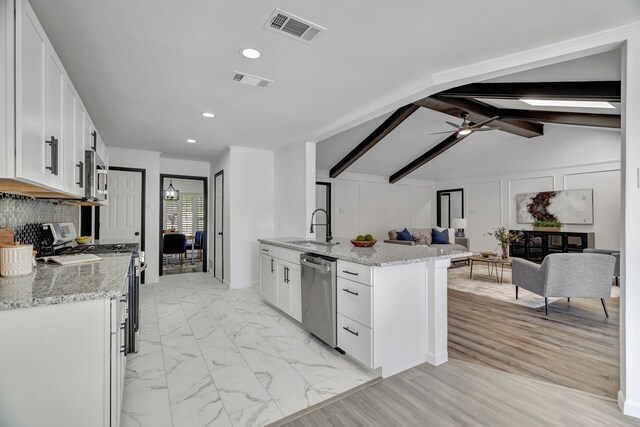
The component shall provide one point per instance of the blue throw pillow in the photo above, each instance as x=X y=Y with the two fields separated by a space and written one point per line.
x=405 y=235
x=439 y=237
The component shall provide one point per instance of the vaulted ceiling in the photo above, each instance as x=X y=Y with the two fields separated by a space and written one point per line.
x=146 y=69
x=412 y=149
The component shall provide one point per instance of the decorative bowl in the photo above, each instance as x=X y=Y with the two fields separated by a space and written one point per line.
x=486 y=254
x=82 y=240
x=363 y=243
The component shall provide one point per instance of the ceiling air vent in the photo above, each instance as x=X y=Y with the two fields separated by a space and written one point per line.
x=250 y=80
x=292 y=26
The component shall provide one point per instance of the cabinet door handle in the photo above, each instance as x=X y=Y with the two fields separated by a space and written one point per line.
x=346 y=328
x=122 y=349
x=349 y=291
x=54 y=155
x=94 y=143
x=286 y=275
x=350 y=272
x=80 y=181
x=272 y=265
x=263 y=250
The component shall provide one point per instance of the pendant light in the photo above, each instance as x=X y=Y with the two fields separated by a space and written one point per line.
x=171 y=193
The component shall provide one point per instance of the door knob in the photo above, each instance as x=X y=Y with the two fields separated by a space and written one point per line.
x=137 y=233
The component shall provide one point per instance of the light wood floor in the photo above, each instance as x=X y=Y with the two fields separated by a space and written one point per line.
x=459 y=393
x=508 y=365
x=575 y=346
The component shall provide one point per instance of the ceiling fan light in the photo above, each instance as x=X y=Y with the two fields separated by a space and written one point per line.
x=463 y=132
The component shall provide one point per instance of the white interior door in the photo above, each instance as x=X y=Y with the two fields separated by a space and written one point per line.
x=218 y=270
x=120 y=220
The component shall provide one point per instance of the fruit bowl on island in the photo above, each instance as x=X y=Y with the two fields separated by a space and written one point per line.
x=364 y=241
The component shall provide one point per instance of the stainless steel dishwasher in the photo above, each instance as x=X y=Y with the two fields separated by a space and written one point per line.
x=319 y=297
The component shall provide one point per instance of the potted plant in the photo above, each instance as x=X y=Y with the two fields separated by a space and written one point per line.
x=505 y=238
x=540 y=225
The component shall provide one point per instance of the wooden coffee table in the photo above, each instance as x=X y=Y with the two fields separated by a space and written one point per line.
x=492 y=265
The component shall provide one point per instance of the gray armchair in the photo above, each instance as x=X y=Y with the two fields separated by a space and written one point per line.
x=566 y=275
x=613 y=253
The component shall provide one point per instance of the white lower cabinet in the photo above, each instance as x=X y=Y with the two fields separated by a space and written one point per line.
x=355 y=312
x=63 y=364
x=280 y=279
x=268 y=278
x=356 y=340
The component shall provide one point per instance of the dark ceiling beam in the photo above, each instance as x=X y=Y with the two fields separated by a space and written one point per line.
x=564 y=118
x=376 y=136
x=593 y=91
x=479 y=112
x=443 y=146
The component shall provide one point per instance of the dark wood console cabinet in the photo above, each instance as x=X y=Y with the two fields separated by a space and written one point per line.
x=536 y=245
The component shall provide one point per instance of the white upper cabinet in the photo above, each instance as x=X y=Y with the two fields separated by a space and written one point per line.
x=52 y=127
x=71 y=171
x=53 y=120
x=79 y=147
x=31 y=71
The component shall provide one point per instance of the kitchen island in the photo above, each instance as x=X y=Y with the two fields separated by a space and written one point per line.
x=63 y=335
x=391 y=299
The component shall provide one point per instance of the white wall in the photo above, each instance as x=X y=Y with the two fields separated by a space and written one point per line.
x=565 y=158
x=150 y=161
x=490 y=202
x=248 y=212
x=251 y=211
x=295 y=189
x=629 y=396
x=368 y=204
x=184 y=167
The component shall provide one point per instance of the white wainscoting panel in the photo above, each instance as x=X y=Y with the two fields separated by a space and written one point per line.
x=606 y=205
x=484 y=210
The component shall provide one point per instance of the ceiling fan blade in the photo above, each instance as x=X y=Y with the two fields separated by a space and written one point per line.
x=453 y=124
x=440 y=133
x=479 y=125
x=483 y=129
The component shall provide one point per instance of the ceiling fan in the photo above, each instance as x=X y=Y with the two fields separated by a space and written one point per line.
x=465 y=128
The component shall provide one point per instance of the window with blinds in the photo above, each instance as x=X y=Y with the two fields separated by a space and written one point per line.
x=187 y=213
x=171 y=216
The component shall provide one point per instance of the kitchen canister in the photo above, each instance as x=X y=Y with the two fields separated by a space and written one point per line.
x=16 y=260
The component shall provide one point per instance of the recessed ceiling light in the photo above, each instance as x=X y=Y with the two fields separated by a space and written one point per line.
x=565 y=103
x=208 y=115
x=191 y=141
x=250 y=53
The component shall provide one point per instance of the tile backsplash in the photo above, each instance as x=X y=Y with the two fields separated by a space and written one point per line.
x=25 y=215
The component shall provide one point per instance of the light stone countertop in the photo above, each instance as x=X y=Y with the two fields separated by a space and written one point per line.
x=51 y=284
x=380 y=255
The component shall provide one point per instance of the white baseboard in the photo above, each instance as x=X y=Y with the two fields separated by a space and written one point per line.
x=437 y=359
x=631 y=409
x=241 y=285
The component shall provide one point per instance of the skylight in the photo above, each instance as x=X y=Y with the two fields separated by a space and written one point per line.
x=566 y=103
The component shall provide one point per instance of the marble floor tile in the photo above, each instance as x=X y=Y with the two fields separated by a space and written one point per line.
x=210 y=356
x=219 y=351
x=289 y=390
x=241 y=333
x=261 y=357
x=310 y=365
x=239 y=388
x=256 y=416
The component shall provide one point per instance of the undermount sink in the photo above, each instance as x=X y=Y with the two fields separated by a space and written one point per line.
x=312 y=242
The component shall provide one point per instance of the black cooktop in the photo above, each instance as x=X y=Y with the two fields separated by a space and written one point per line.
x=114 y=248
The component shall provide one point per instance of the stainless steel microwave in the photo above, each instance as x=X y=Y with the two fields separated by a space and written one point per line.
x=95 y=177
